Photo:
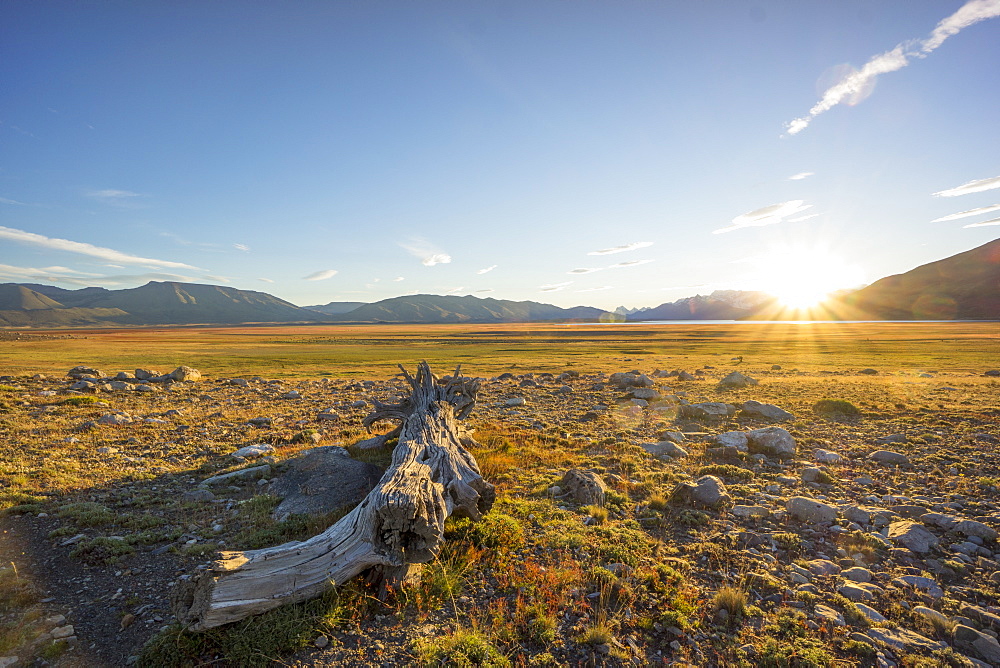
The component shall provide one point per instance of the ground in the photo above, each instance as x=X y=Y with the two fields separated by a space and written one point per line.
x=100 y=520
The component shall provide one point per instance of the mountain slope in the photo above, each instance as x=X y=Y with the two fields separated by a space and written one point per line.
x=17 y=297
x=720 y=305
x=965 y=286
x=449 y=308
x=335 y=308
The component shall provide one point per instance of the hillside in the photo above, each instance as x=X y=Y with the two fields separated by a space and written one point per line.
x=335 y=308
x=720 y=305
x=965 y=286
x=445 y=308
x=22 y=298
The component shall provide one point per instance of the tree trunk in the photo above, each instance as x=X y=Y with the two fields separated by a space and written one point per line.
x=400 y=522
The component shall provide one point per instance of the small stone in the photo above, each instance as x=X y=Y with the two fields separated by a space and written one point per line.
x=707 y=490
x=515 y=401
x=771 y=441
x=889 y=457
x=857 y=574
x=321 y=642
x=913 y=536
x=755 y=409
x=737 y=380
x=809 y=510
x=664 y=449
x=62 y=631
x=826 y=456
x=253 y=451
x=828 y=614
x=871 y=614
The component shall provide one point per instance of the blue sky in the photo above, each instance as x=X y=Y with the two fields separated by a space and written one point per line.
x=361 y=150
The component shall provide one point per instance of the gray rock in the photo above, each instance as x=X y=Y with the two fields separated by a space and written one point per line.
x=253 y=451
x=708 y=410
x=828 y=614
x=291 y=394
x=82 y=385
x=857 y=574
x=737 y=380
x=705 y=491
x=239 y=476
x=891 y=438
x=772 y=441
x=919 y=582
x=912 y=536
x=731 y=439
x=146 y=374
x=975 y=528
x=902 y=640
x=889 y=457
x=826 y=456
x=931 y=613
x=673 y=436
x=664 y=449
x=981 y=644
x=751 y=511
x=755 y=409
x=116 y=419
x=198 y=496
x=822 y=567
x=584 y=487
x=805 y=509
x=184 y=373
x=870 y=614
x=813 y=474
x=322 y=480
x=84 y=372
x=515 y=401
x=646 y=393
x=858 y=591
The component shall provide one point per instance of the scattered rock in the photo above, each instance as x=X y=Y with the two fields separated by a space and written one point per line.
x=737 y=380
x=731 y=439
x=902 y=640
x=322 y=480
x=982 y=645
x=755 y=409
x=664 y=449
x=705 y=491
x=84 y=372
x=772 y=441
x=805 y=509
x=184 y=373
x=912 y=536
x=253 y=451
x=241 y=475
x=584 y=487
x=708 y=410
x=826 y=456
x=889 y=457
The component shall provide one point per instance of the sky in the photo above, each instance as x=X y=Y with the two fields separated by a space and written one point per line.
x=600 y=153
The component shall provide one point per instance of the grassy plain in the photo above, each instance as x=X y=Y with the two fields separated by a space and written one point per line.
x=96 y=520
x=374 y=350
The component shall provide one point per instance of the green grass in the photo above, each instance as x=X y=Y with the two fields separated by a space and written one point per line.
x=462 y=649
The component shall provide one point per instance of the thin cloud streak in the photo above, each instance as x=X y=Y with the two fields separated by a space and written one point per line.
x=584 y=270
x=428 y=254
x=598 y=289
x=985 y=223
x=622 y=249
x=242 y=247
x=768 y=215
x=966 y=214
x=320 y=275
x=857 y=85
x=629 y=263
x=800 y=176
x=486 y=270
x=982 y=185
x=265 y=280
x=554 y=287
x=81 y=248
x=111 y=194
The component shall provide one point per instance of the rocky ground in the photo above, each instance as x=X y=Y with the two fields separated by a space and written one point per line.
x=689 y=517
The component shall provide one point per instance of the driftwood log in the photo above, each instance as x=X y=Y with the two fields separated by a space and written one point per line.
x=399 y=523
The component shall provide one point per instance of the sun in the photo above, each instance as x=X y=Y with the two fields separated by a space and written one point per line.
x=802 y=278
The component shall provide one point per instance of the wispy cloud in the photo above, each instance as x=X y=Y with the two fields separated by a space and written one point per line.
x=982 y=185
x=858 y=84
x=242 y=247
x=487 y=269
x=584 y=270
x=320 y=275
x=629 y=263
x=217 y=279
x=985 y=223
x=598 y=289
x=4 y=200
x=81 y=248
x=966 y=214
x=265 y=280
x=554 y=287
x=398 y=279
x=78 y=278
x=800 y=219
x=768 y=215
x=112 y=194
x=485 y=290
x=455 y=291
x=800 y=176
x=622 y=249
x=428 y=253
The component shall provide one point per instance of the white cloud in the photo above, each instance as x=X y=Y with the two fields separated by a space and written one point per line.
x=111 y=194
x=398 y=279
x=554 y=287
x=982 y=185
x=603 y=287
x=86 y=280
x=242 y=247
x=4 y=200
x=800 y=176
x=265 y=280
x=985 y=223
x=966 y=214
x=85 y=249
x=487 y=269
x=622 y=249
x=320 y=275
x=629 y=263
x=858 y=84
x=485 y=290
x=800 y=219
x=584 y=270
x=455 y=291
x=217 y=279
x=769 y=215
x=428 y=253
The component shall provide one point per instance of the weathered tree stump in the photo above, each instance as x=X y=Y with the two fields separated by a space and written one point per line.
x=399 y=523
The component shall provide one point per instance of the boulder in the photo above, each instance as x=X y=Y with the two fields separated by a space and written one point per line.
x=872 y=615
x=322 y=480
x=927 y=585
x=253 y=451
x=708 y=410
x=664 y=449
x=646 y=393
x=736 y=380
x=827 y=614
x=705 y=491
x=184 y=373
x=755 y=409
x=584 y=487
x=857 y=574
x=805 y=509
x=982 y=645
x=912 y=536
x=84 y=372
x=772 y=441
x=826 y=456
x=731 y=439
x=889 y=457
x=901 y=640
x=241 y=475
x=146 y=374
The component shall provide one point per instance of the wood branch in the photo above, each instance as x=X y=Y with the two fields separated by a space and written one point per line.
x=400 y=522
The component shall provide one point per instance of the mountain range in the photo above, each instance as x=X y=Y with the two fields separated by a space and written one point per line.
x=965 y=286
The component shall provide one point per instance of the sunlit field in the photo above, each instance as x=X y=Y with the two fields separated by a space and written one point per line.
x=375 y=350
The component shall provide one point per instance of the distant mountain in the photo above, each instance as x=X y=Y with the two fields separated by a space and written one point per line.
x=335 y=308
x=961 y=287
x=449 y=308
x=156 y=303
x=720 y=305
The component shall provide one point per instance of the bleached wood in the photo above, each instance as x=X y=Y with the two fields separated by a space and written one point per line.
x=401 y=521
